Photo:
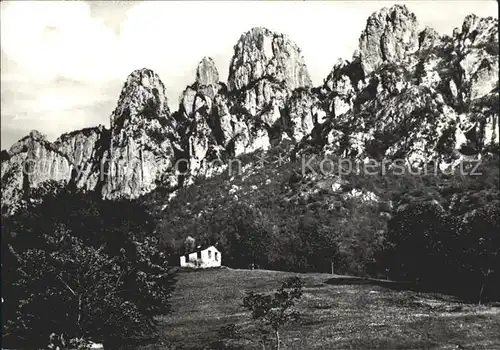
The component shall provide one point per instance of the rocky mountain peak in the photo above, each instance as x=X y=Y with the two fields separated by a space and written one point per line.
x=261 y=53
x=476 y=53
x=200 y=95
x=476 y=32
x=36 y=135
x=27 y=142
x=427 y=38
x=142 y=94
x=389 y=36
x=206 y=72
x=142 y=78
x=143 y=134
x=23 y=144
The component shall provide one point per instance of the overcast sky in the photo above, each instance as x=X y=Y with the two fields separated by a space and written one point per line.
x=63 y=63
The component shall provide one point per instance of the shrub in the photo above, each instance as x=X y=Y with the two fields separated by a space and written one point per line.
x=272 y=312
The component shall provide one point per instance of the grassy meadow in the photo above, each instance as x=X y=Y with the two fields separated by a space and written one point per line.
x=337 y=312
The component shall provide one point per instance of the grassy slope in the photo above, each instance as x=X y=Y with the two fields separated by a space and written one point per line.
x=337 y=313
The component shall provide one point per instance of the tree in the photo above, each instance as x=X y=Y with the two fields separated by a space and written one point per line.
x=274 y=311
x=417 y=242
x=243 y=235
x=481 y=247
x=189 y=245
x=318 y=245
x=456 y=253
x=77 y=265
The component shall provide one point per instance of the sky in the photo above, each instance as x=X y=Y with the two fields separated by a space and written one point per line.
x=63 y=63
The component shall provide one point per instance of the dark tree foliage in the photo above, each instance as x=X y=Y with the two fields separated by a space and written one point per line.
x=242 y=234
x=458 y=254
x=425 y=226
x=79 y=266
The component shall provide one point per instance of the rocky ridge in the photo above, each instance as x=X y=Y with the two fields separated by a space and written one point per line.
x=413 y=94
x=406 y=93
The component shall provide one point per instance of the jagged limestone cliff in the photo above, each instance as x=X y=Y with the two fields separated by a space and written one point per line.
x=32 y=161
x=407 y=93
x=413 y=94
x=141 y=153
